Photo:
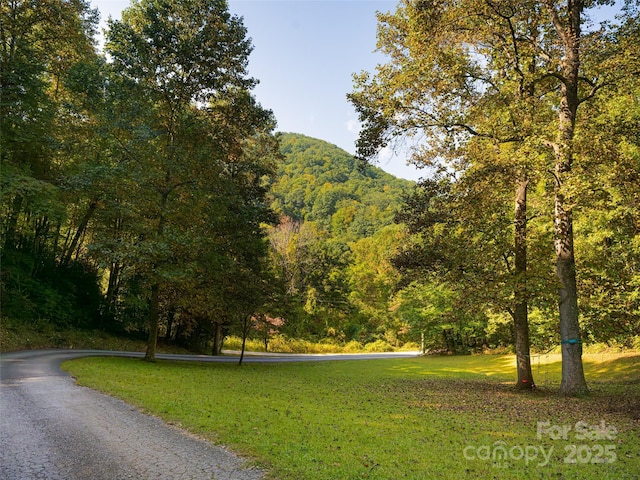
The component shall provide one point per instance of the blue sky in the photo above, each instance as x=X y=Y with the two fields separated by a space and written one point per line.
x=305 y=52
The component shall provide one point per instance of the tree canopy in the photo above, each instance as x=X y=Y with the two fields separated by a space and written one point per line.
x=145 y=191
x=492 y=90
x=154 y=163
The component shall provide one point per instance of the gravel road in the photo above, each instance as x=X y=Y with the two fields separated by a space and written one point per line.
x=52 y=429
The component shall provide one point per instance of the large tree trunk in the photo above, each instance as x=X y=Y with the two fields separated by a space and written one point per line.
x=573 y=381
x=520 y=315
x=154 y=321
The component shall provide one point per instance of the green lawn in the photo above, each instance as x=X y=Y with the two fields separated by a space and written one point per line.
x=422 y=418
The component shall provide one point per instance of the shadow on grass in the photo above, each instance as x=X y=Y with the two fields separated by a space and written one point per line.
x=604 y=368
x=478 y=384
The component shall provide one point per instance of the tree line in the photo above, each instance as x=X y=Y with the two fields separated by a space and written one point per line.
x=139 y=170
x=144 y=189
x=522 y=110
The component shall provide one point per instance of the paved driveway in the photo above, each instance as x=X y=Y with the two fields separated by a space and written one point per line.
x=52 y=429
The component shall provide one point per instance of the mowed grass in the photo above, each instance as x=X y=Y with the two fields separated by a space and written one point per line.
x=419 y=418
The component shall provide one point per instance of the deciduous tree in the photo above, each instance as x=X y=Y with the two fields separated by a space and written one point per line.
x=196 y=141
x=463 y=75
x=474 y=75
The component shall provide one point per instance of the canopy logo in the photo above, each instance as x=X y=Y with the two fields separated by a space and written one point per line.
x=503 y=455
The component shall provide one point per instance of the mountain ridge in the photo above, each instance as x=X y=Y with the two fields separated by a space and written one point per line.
x=320 y=182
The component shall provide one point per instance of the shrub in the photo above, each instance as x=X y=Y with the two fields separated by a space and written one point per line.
x=352 y=347
x=410 y=346
x=378 y=346
x=35 y=289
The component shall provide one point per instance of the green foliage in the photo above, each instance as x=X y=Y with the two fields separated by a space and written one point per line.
x=371 y=275
x=283 y=344
x=152 y=185
x=331 y=250
x=148 y=178
x=381 y=419
x=16 y=334
x=319 y=182
x=608 y=218
x=467 y=85
x=192 y=151
x=36 y=291
x=428 y=310
x=378 y=346
x=40 y=43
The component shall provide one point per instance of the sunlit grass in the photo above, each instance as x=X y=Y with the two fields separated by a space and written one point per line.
x=385 y=419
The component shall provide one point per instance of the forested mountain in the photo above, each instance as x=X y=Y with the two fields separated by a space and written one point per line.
x=320 y=182
x=330 y=250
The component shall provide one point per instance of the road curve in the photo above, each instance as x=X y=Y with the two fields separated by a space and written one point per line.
x=52 y=429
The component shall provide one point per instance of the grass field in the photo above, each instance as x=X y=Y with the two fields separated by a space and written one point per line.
x=419 y=418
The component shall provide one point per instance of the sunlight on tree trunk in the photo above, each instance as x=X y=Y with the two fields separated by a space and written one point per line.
x=573 y=380
x=520 y=314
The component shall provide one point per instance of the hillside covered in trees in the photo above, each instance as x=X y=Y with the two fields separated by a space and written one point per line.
x=319 y=182
x=334 y=240
x=150 y=194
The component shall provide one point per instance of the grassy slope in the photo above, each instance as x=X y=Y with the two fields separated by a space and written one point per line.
x=16 y=336
x=387 y=419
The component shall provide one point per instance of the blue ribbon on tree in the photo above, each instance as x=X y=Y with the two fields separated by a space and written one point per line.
x=571 y=341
